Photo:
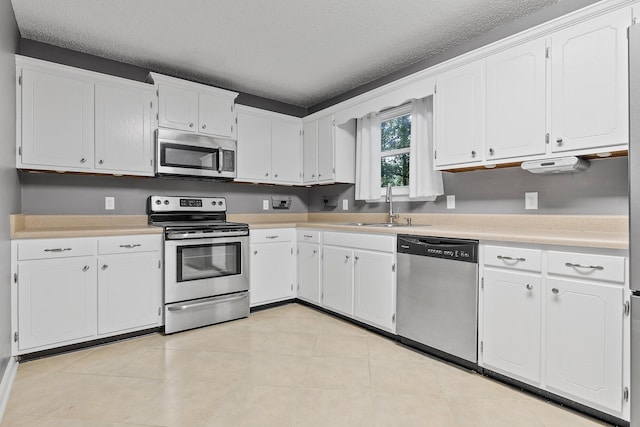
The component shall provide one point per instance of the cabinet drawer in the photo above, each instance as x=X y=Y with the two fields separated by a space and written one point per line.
x=309 y=236
x=513 y=258
x=128 y=244
x=273 y=235
x=372 y=242
x=587 y=266
x=55 y=248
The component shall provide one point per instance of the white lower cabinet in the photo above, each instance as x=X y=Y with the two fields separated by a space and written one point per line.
x=67 y=291
x=558 y=321
x=309 y=272
x=374 y=288
x=337 y=279
x=512 y=321
x=56 y=302
x=584 y=345
x=272 y=266
x=128 y=292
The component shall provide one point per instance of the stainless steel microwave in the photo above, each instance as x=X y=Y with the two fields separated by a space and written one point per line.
x=188 y=154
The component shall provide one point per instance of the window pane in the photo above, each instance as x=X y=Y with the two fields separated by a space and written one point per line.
x=395 y=170
x=396 y=133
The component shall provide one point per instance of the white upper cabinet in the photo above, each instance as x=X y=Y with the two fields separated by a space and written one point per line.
x=123 y=129
x=56 y=117
x=516 y=121
x=81 y=121
x=269 y=147
x=460 y=115
x=194 y=107
x=589 y=88
x=329 y=151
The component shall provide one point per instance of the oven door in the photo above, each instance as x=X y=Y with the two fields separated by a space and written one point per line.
x=200 y=268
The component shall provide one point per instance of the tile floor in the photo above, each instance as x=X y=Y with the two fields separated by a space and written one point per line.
x=286 y=366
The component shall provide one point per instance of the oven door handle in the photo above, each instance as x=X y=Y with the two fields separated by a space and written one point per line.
x=209 y=301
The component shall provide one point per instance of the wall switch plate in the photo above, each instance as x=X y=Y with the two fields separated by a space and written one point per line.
x=109 y=203
x=531 y=200
x=345 y=204
x=265 y=205
x=451 y=201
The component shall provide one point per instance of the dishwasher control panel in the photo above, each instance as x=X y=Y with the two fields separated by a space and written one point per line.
x=453 y=249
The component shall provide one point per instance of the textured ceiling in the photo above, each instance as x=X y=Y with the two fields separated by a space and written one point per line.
x=297 y=51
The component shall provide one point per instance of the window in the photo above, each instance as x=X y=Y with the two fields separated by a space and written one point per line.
x=395 y=127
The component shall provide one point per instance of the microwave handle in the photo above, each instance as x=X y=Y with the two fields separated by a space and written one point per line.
x=220 y=159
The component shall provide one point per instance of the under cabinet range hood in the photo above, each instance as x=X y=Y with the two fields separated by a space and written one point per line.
x=559 y=165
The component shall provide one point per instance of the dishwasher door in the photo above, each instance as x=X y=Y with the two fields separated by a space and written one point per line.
x=437 y=304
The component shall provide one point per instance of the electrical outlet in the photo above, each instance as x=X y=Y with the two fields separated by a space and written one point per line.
x=265 y=205
x=109 y=203
x=531 y=200
x=345 y=204
x=451 y=201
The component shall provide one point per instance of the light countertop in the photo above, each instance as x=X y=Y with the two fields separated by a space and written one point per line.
x=63 y=226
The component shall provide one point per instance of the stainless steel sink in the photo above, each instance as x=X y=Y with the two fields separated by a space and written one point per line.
x=383 y=224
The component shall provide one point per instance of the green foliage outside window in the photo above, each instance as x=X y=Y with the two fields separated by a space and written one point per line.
x=396 y=138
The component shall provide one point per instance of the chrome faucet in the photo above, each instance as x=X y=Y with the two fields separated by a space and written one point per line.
x=389 y=200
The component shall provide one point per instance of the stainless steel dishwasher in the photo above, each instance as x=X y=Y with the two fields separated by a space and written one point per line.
x=437 y=308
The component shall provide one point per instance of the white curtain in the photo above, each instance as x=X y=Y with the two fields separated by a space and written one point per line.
x=368 y=179
x=425 y=183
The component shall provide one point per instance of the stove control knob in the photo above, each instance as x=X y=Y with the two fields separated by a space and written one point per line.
x=220 y=203
x=158 y=202
x=166 y=202
x=213 y=203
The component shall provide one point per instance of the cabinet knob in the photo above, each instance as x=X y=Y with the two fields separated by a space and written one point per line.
x=105 y=266
x=555 y=291
x=559 y=141
x=346 y=257
x=529 y=286
x=101 y=162
x=491 y=151
x=473 y=153
x=204 y=126
x=266 y=174
x=255 y=252
x=315 y=251
x=313 y=176
x=82 y=160
x=190 y=125
x=275 y=176
x=85 y=268
x=357 y=258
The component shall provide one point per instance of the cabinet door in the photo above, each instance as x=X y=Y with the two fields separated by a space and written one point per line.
x=584 y=342
x=337 y=279
x=374 y=289
x=326 y=142
x=309 y=272
x=511 y=324
x=459 y=115
x=516 y=85
x=216 y=115
x=57 y=120
x=123 y=132
x=129 y=290
x=254 y=147
x=178 y=108
x=589 y=98
x=272 y=272
x=310 y=152
x=56 y=301
x=286 y=147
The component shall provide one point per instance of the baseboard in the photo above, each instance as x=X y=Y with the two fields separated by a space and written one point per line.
x=7 y=382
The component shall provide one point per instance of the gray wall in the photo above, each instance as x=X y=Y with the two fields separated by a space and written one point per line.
x=84 y=194
x=600 y=190
x=9 y=184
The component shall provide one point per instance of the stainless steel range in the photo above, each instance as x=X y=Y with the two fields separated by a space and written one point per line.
x=206 y=274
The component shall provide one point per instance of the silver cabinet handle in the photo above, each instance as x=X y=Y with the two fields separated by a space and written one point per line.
x=272 y=237
x=57 y=250
x=85 y=268
x=491 y=151
x=308 y=236
x=473 y=153
x=555 y=291
x=82 y=160
x=508 y=258
x=529 y=286
x=190 y=125
x=592 y=267
x=101 y=162
x=105 y=266
x=204 y=126
x=131 y=246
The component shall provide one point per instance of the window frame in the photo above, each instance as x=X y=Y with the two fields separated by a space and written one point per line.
x=392 y=113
